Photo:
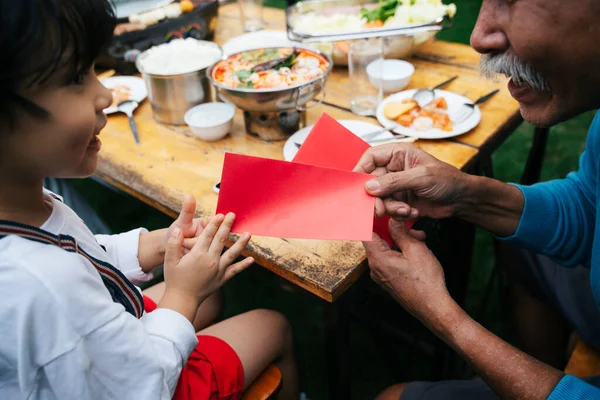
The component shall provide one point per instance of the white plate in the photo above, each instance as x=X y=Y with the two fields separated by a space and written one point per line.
x=125 y=8
x=137 y=86
x=258 y=40
x=359 y=128
x=455 y=101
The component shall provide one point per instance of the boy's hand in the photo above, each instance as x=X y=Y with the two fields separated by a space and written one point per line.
x=190 y=227
x=192 y=277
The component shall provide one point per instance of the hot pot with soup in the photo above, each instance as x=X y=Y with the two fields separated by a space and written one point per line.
x=273 y=85
x=293 y=82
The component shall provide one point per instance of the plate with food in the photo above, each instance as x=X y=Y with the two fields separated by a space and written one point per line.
x=436 y=120
x=124 y=88
x=359 y=128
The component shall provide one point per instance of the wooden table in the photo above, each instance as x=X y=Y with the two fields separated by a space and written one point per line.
x=170 y=162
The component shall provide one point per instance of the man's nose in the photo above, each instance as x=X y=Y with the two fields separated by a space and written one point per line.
x=488 y=35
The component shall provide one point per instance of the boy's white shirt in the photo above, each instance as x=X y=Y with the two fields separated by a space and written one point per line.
x=61 y=334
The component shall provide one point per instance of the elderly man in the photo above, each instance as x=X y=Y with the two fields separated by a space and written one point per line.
x=550 y=50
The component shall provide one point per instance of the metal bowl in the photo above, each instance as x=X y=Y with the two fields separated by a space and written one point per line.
x=171 y=96
x=277 y=99
x=398 y=41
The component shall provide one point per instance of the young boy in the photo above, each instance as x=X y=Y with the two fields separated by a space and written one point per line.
x=71 y=323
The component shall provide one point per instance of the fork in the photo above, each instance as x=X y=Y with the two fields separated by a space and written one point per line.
x=372 y=135
x=468 y=108
x=394 y=139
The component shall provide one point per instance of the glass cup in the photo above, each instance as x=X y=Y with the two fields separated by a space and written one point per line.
x=251 y=13
x=365 y=94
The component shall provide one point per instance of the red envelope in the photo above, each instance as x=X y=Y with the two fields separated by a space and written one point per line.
x=331 y=145
x=293 y=200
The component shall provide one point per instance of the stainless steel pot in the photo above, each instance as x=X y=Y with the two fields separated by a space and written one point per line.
x=172 y=95
x=277 y=99
x=398 y=41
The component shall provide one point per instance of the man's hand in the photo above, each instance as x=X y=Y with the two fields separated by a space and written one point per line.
x=413 y=277
x=416 y=280
x=411 y=183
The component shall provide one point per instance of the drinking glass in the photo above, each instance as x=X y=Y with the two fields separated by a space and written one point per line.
x=365 y=94
x=251 y=13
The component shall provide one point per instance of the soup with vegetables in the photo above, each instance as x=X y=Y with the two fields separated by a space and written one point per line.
x=270 y=68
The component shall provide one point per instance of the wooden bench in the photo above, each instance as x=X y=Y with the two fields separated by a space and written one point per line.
x=584 y=362
x=265 y=386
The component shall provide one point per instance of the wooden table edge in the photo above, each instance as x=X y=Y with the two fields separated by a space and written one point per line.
x=302 y=282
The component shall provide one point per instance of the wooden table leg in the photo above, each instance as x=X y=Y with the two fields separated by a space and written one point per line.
x=533 y=168
x=337 y=342
x=456 y=255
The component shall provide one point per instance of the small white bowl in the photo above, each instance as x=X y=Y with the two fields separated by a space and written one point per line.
x=210 y=121
x=392 y=75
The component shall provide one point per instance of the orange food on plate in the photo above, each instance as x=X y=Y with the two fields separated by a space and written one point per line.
x=406 y=119
x=440 y=102
x=393 y=110
x=442 y=121
x=408 y=113
x=120 y=93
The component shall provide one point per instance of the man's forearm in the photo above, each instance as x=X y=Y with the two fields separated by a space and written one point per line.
x=151 y=249
x=492 y=205
x=511 y=373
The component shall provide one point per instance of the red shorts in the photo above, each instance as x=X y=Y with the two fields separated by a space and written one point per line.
x=213 y=370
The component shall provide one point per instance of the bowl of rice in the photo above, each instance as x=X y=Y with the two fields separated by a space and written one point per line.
x=175 y=76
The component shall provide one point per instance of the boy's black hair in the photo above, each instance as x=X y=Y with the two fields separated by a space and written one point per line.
x=39 y=37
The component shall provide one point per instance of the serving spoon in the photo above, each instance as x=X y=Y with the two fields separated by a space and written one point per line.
x=272 y=64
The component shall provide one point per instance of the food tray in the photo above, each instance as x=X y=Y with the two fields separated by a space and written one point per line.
x=325 y=7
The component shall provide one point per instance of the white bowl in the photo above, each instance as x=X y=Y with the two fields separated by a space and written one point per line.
x=210 y=121
x=392 y=75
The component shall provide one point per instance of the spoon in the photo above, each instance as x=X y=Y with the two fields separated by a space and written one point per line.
x=127 y=107
x=426 y=96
